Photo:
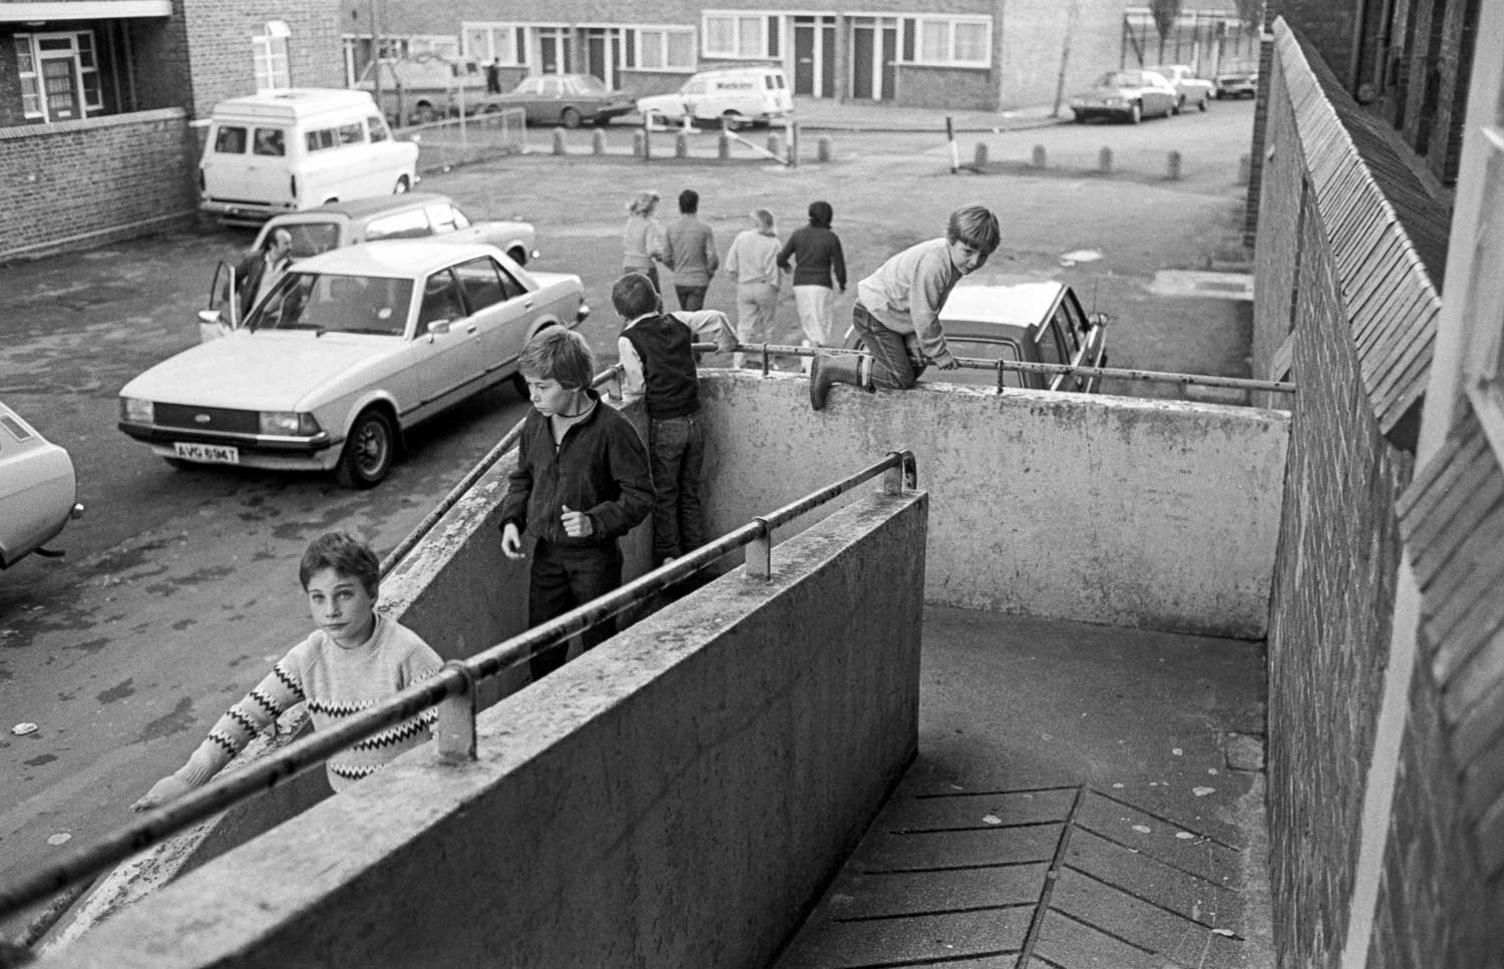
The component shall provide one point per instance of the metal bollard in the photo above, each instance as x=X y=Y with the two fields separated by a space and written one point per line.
x=793 y=144
x=598 y=142
x=979 y=157
x=1039 y=160
x=775 y=143
x=640 y=144
x=723 y=145
x=681 y=145
x=1172 y=166
x=822 y=149
x=646 y=131
x=1104 y=160
x=558 y=141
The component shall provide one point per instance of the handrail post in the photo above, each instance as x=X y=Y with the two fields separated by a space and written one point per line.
x=455 y=731
x=759 y=554
x=764 y=359
x=903 y=475
x=1000 y=371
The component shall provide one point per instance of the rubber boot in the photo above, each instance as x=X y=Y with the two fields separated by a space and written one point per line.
x=849 y=368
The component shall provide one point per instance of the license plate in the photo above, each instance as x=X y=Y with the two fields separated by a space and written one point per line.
x=207 y=453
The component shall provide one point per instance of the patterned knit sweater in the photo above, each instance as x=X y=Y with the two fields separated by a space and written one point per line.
x=336 y=683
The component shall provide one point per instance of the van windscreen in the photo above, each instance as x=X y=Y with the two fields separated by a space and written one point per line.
x=230 y=140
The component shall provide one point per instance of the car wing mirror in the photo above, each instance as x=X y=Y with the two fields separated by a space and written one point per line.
x=1097 y=319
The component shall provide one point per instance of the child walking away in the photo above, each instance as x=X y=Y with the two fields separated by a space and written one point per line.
x=658 y=367
x=818 y=259
x=897 y=311
x=752 y=261
x=354 y=659
x=581 y=482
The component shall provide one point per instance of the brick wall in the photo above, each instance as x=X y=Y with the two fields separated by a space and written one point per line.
x=939 y=87
x=1329 y=25
x=81 y=183
x=219 y=36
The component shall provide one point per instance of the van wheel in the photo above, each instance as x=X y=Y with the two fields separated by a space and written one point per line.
x=424 y=113
x=733 y=120
x=570 y=118
x=402 y=186
x=368 y=451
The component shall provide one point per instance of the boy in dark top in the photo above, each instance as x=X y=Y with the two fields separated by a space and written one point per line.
x=817 y=259
x=582 y=481
x=658 y=367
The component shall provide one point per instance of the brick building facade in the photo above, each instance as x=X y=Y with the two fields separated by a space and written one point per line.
x=98 y=100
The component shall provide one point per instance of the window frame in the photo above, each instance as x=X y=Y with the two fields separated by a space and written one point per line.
x=661 y=34
x=517 y=38
x=765 y=41
x=270 y=64
x=919 y=24
x=82 y=44
x=1482 y=290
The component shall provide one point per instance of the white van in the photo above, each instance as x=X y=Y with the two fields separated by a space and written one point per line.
x=738 y=95
x=295 y=149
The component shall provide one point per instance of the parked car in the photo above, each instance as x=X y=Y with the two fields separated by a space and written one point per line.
x=1238 y=83
x=425 y=88
x=348 y=350
x=1193 y=90
x=563 y=99
x=38 y=490
x=735 y=96
x=1002 y=318
x=411 y=216
x=1129 y=95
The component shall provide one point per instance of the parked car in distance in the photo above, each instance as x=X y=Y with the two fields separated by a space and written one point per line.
x=415 y=215
x=425 y=88
x=1193 y=90
x=349 y=350
x=735 y=96
x=38 y=491
x=1237 y=83
x=1128 y=95
x=563 y=99
x=999 y=317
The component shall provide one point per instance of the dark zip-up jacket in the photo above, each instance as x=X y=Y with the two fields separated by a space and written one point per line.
x=601 y=468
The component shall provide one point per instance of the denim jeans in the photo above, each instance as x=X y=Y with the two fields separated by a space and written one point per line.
x=563 y=577
x=892 y=367
x=676 y=448
x=691 y=297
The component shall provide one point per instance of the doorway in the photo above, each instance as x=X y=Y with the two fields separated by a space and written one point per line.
x=874 y=50
x=814 y=56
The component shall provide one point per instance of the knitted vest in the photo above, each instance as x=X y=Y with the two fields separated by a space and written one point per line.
x=668 y=366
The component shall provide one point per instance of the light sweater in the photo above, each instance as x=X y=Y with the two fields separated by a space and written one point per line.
x=336 y=683
x=907 y=291
x=753 y=258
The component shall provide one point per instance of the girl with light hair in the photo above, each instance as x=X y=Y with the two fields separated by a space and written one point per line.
x=642 y=241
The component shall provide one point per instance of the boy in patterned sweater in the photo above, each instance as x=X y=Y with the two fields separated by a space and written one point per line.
x=355 y=659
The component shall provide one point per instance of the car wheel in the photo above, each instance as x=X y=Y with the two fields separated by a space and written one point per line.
x=733 y=120
x=1205 y=102
x=402 y=187
x=518 y=255
x=570 y=118
x=1178 y=106
x=1135 y=113
x=368 y=451
x=424 y=113
x=519 y=384
x=1080 y=117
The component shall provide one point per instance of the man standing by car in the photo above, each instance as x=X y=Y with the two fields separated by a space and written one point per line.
x=689 y=250
x=258 y=272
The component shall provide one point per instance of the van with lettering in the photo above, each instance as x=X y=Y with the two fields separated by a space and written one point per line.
x=734 y=96
x=284 y=151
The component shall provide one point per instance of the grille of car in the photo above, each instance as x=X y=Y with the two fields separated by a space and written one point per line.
x=208 y=418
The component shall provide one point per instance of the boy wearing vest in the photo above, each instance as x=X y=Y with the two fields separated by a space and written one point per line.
x=658 y=368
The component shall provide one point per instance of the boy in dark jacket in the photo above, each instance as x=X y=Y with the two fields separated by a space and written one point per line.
x=818 y=259
x=582 y=481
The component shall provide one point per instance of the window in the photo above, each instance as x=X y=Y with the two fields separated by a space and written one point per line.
x=321 y=139
x=481 y=282
x=441 y=300
x=1481 y=289
x=444 y=217
x=352 y=134
x=503 y=43
x=268 y=141
x=59 y=75
x=950 y=41
x=229 y=140
x=377 y=129
x=408 y=224
x=269 y=51
x=666 y=48
x=741 y=35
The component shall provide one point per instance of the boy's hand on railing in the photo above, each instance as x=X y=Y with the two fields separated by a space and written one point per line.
x=577 y=524
x=511 y=541
x=169 y=788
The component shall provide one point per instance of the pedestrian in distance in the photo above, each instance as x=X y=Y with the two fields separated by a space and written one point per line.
x=659 y=368
x=642 y=240
x=689 y=250
x=752 y=261
x=818 y=262
x=355 y=659
x=493 y=77
x=581 y=482
x=897 y=311
x=259 y=271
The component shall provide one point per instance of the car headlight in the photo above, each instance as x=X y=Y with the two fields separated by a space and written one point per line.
x=136 y=410
x=288 y=423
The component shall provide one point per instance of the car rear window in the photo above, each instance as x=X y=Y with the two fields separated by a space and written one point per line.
x=312 y=238
x=230 y=140
x=269 y=141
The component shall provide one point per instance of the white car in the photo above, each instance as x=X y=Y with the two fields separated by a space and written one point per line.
x=37 y=490
x=350 y=349
x=1192 y=90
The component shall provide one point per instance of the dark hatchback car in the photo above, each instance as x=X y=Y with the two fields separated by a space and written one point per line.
x=564 y=99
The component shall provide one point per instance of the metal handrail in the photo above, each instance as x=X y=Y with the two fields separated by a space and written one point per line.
x=982 y=363
x=456 y=681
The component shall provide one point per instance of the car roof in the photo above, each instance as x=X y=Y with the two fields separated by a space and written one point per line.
x=403 y=258
x=1020 y=304
x=364 y=207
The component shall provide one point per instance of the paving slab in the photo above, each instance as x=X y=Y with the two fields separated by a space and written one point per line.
x=1074 y=804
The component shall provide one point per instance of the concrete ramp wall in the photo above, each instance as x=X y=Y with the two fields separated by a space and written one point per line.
x=1147 y=513
x=676 y=797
